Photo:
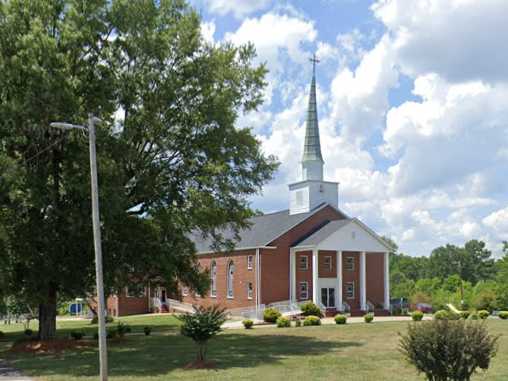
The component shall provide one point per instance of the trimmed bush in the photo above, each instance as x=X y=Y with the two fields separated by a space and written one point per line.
x=448 y=350
x=368 y=318
x=109 y=319
x=122 y=329
x=298 y=323
x=340 y=319
x=110 y=334
x=310 y=309
x=502 y=315
x=271 y=315
x=77 y=335
x=312 y=320
x=247 y=323
x=473 y=316
x=465 y=314
x=441 y=315
x=483 y=314
x=283 y=322
x=417 y=315
x=147 y=330
x=28 y=332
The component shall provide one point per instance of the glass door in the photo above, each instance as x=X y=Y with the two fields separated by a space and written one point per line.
x=328 y=297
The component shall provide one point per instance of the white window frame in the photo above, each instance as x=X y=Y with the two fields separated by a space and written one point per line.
x=300 y=258
x=141 y=295
x=185 y=291
x=329 y=266
x=230 y=280
x=213 y=279
x=301 y=293
x=350 y=264
x=250 y=262
x=250 y=290
x=352 y=296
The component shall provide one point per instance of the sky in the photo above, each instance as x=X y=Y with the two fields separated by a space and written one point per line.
x=412 y=104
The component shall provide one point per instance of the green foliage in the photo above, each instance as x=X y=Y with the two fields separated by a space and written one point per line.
x=108 y=318
x=176 y=163
x=270 y=315
x=111 y=334
x=473 y=316
x=441 y=315
x=283 y=322
x=77 y=335
x=201 y=326
x=311 y=320
x=483 y=314
x=122 y=329
x=298 y=323
x=503 y=315
x=28 y=332
x=465 y=314
x=368 y=318
x=485 y=296
x=340 y=319
x=310 y=309
x=247 y=323
x=147 y=330
x=417 y=315
x=2 y=334
x=448 y=350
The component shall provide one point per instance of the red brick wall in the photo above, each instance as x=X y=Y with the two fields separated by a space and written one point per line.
x=375 y=278
x=325 y=272
x=351 y=276
x=132 y=305
x=303 y=275
x=242 y=277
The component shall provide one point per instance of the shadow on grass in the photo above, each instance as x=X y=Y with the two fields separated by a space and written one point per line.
x=158 y=355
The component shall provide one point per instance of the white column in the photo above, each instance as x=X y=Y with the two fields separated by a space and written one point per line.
x=292 y=276
x=387 y=281
x=338 y=294
x=315 y=275
x=363 y=288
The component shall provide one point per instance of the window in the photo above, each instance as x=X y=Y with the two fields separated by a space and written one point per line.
x=213 y=280
x=304 y=291
x=185 y=291
x=350 y=290
x=299 y=198
x=249 y=290
x=135 y=291
x=304 y=262
x=328 y=297
x=328 y=263
x=231 y=272
x=350 y=264
x=250 y=262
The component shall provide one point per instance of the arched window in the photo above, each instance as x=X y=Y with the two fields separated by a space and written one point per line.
x=213 y=279
x=231 y=272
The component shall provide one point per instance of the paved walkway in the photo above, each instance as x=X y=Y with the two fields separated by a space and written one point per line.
x=10 y=374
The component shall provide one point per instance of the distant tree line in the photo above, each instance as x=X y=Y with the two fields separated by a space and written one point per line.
x=467 y=276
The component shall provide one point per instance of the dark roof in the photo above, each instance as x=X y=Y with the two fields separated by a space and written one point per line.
x=324 y=232
x=264 y=229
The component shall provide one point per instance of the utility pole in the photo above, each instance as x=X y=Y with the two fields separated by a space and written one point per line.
x=103 y=351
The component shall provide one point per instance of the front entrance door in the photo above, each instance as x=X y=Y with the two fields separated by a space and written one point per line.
x=163 y=295
x=328 y=297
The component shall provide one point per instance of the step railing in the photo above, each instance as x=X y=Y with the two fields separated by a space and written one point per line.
x=180 y=306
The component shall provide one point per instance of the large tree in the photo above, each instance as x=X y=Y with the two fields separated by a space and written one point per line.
x=171 y=160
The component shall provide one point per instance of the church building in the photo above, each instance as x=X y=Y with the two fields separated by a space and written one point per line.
x=311 y=251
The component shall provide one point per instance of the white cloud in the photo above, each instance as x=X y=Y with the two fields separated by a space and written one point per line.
x=498 y=221
x=239 y=8
x=208 y=31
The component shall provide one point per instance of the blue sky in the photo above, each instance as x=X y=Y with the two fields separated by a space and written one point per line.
x=412 y=101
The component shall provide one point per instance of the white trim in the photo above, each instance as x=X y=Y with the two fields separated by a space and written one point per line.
x=354 y=290
x=230 y=280
x=352 y=263
x=292 y=275
x=373 y=233
x=300 y=258
x=387 y=281
x=250 y=289
x=213 y=279
x=330 y=265
x=315 y=277
x=339 y=280
x=236 y=249
x=250 y=262
x=300 y=297
x=363 y=276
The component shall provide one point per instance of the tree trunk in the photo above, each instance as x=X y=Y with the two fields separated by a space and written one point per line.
x=47 y=317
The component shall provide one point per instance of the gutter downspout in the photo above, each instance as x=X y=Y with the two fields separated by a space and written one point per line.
x=258 y=281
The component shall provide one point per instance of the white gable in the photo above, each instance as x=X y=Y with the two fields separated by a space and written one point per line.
x=353 y=236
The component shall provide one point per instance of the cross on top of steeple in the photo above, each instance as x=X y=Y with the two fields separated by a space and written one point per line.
x=314 y=61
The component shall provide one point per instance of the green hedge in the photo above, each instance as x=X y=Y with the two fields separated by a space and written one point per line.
x=283 y=322
x=247 y=323
x=310 y=309
x=340 y=319
x=417 y=315
x=312 y=320
x=271 y=315
x=483 y=314
x=368 y=318
x=503 y=315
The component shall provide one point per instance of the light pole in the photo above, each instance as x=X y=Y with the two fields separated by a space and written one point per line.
x=103 y=355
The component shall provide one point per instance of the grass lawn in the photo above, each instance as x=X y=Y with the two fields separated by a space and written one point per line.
x=350 y=352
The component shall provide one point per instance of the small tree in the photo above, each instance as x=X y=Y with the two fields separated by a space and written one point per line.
x=202 y=326
x=448 y=350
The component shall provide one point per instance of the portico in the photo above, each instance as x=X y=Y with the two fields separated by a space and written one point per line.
x=342 y=269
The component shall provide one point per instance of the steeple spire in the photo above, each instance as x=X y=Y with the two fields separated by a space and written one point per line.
x=312 y=148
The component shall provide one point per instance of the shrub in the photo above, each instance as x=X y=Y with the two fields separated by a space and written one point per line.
x=28 y=332
x=312 y=320
x=271 y=315
x=201 y=326
x=247 y=323
x=483 y=314
x=283 y=322
x=340 y=319
x=122 y=329
x=368 y=318
x=473 y=316
x=77 y=335
x=111 y=334
x=465 y=314
x=96 y=336
x=502 y=315
x=448 y=350
x=109 y=319
x=298 y=323
x=417 y=315
x=441 y=315
x=147 y=330
x=1 y=335
x=310 y=309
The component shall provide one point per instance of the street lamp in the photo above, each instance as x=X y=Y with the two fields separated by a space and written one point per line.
x=103 y=356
